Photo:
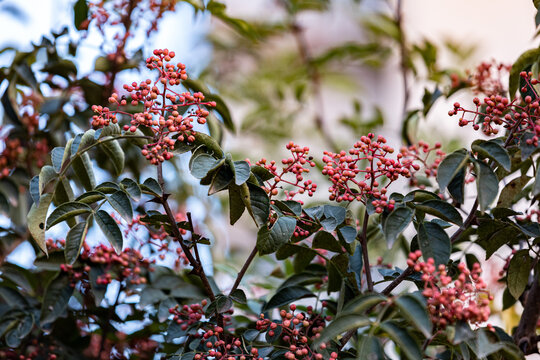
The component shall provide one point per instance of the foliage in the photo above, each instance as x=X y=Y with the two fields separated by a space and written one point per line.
x=90 y=162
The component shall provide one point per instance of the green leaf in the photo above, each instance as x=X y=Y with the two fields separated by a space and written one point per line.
x=87 y=139
x=413 y=308
x=121 y=203
x=286 y=296
x=56 y=298
x=236 y=201
x=493 y=150
x=333 y=217
x=258 y=205
x=201 y=164
x=221 y=180
x=90 y=197
x=57 y=154
x=36 y=220
x=518 y=273
x=220 y=305
x=110 y=229
x=340 y=325
x=84 y=171
x=242 y=172
x=362 y=303
x=456 y=188
x=152 y=187
x=509 y=194
x=434 y=242
x=442 y=210
x=525 y=60
x=327 y=241
x=46 y=175
x=402 y=339
x=420 y=196
x=62 y=191
x=34 y=189
x=75 y=239
x=487 y=184
x=67 y=211
x=80 y=13
x=238 y=296
x=396 y=222
x=450 y=167
x=261 y=173
x=270 y=240
x=115 y=154
x=132 y=188
x=369 y=347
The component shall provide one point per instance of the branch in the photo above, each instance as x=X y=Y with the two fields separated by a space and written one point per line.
x=363 y=243
x=244 y=269
x=408 y=271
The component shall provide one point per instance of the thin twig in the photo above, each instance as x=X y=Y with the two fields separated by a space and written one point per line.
x=363 y=243
x=244 y=269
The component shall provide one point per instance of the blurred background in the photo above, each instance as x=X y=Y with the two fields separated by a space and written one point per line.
x=319 y=73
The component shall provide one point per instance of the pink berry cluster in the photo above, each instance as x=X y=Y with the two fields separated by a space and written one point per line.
x=297 y=330
x=465 y=298
x=161 y=108
x=157 y=238
x=488 y=78
x=353 y=180
x=496 y=110
x=297 y=165
x=414 y=155
x=218 y=344
x=127 y=266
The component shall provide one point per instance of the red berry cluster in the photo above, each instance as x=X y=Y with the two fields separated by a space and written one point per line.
x=297 y=330
x=345 y=168
x=9 y=156
x=465 y=298
x=117 y=345
x=415 y=154
x=127 y=266
x=488 y=78
x=295 y=165
x=217 y=345
x=161 y=108
x=496 y=110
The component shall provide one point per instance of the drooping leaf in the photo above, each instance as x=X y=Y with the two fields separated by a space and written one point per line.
x=110 y=229
x=369 y=347
x=121 y=203
x=327 y=241
x=84 y=171
x=518 y=273
x=269 y=240
x=201 y=164
x=450 y=167
x=396 y=222
x=434 y=242
x=57 y=154
x=56 y=298
x=258 y=205
x=115 y=154
x=152 y=187
x=333 y=216
x=67 y=211
x=34 y=189
x=404 y=341
x=493 y=150
x=132 y=188
x=414 y=309
x=90 y=197
x=242 y=172
x=508 y=195
x=487 y=184
x=75 y=239
x=236 y=201
x=37 y=219
x=238 y=296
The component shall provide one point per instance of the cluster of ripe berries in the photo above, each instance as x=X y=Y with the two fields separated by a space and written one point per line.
x=127 y=266
x=464 y=299
x=297 y=330
x=297 y=165
x=414 y=154
x=162 y=108
x=496 y=110
x=216 y=344
x=351 y=180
